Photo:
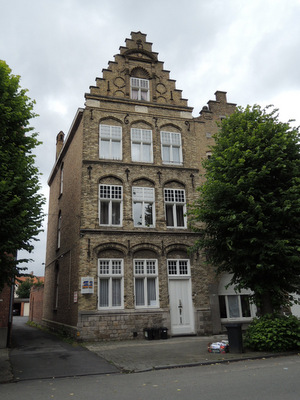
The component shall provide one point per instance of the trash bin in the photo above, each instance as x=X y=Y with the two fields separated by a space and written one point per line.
x=156 y=333
x=235 y=338
x=148 y=333
x=164 y=333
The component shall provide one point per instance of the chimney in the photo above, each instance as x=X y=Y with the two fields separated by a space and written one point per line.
x=221 y=96
x=59 y=142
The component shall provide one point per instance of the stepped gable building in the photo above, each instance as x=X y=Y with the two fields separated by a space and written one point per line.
x=117 y=250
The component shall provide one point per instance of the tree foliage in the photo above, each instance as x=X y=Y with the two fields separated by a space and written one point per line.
x=20 y=200
x=24 y=287
x=248 y=210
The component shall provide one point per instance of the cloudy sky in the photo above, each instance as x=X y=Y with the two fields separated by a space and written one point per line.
x=250 y=49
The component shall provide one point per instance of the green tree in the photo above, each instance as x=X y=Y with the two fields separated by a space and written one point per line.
x=24 y=287
x=248 y=210
x=20 y=200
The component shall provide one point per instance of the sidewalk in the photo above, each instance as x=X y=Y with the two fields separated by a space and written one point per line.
x=147 y=355
x=5 y=368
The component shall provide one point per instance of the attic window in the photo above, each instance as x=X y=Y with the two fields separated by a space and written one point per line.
x=139 y=89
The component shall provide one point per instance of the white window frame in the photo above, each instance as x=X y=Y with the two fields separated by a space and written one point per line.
x=178 y=267
x=111 y=134
x=171 y=141
x=176 y=195
x=140 y=89
x=144 y=196
x=141 y=272
x=115 y=196
x=142 y=138
x=237 y=297
x=108 y=273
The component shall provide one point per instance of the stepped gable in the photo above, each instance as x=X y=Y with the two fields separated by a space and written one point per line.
x=137 y=59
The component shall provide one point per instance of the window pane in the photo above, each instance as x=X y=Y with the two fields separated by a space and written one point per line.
x=139 y=292
x=134 y=94
x=222 y=305
x=176 y=155
x=104 y=149
x=104 y=206
x=103 y=295
x=116 y=150
x=136 y=151
x=172 y=267
x=183 y=268
x=148 y=214
x=144 y=95
x=137 y=214
x=166 y=154
x=146 y=152
x=179 y=215
x=233 y=306
x=116 y=213
x=245 y=306
x=151 y=292
x=139 y=267
x=116 y=292
x=169 y=215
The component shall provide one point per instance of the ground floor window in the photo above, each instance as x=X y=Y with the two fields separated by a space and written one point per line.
x=110 y=284
x=145 y=282
x=235 y=306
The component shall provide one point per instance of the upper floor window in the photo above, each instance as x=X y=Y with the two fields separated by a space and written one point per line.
x=143 y=206
x=146 y=287
x=139 y=89
x=110 y=207
x=110 y=285
x=171 y=147
x=175 y=208
x=141 y=145
x=110 y=142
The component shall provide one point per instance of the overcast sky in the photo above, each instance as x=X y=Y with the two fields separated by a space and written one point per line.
x=250 y=49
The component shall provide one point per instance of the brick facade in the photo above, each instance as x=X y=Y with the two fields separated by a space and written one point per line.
x=135 y=96
x=36 y=304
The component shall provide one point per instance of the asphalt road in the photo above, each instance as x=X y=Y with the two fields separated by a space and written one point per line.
x=38 y=355
x=266 y=379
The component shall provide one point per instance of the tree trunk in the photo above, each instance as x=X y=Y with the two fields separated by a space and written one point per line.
x=266 y=304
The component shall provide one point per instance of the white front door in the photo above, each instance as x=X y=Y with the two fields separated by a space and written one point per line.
x=181 y=307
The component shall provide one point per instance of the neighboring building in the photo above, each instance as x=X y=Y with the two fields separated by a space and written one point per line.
x=22 y=305
x=36 y=304
x=117 y=248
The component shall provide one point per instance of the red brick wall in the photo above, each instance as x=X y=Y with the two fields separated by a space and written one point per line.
x=36 y=304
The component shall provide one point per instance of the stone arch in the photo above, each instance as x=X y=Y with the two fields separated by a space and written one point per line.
x=177 y=250
x=170 y=127
x=109 y=250
x=143 y=249
x=140 y=72
x=174 y=184
x=143 y=181
x=110 y=120
x=111 y=179
x=140 y=123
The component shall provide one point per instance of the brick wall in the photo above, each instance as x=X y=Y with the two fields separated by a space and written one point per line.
x=36 y=304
